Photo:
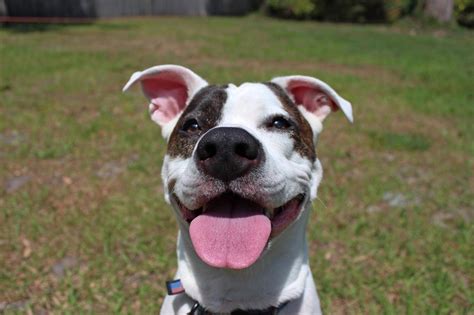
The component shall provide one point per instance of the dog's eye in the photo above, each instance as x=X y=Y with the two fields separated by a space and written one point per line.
x=191 y=126
x=280 y=123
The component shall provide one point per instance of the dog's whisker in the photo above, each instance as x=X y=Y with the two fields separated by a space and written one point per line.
x=321 y=202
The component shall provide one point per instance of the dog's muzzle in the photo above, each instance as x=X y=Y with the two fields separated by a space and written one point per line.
x=231 y=229
x=227 y=153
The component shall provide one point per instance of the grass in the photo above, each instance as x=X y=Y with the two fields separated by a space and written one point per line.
x=397 y=141
x=83 y=224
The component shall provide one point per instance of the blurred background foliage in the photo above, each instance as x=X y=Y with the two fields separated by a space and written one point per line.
x=464 y=10
x=362 y=11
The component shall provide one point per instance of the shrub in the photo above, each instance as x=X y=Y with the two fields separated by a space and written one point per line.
x=360 y=11
x=291 y=8
x=394 y=9
x=464 y=10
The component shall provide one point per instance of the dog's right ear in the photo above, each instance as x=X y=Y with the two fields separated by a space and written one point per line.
x=169 y=89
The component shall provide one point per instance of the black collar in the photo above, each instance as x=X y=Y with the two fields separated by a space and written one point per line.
x=176 y=287
x=197 y=309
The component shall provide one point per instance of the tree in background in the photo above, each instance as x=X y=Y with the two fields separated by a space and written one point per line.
x=441 y=10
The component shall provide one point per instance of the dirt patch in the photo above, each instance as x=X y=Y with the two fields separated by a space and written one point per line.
x=448 y=219
x=67 y=181
x=15 y=183
x=60 y=268
x=12 y=137
x=114 y=168
x=122 y=42
x=16 y=306
x=343 y=306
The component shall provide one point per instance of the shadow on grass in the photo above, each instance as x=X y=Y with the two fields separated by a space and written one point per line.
x=37 y=27
x=26 y=28
x=399 y=141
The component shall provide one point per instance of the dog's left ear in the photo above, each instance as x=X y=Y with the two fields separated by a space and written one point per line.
x=169 y=89
x=316 y=98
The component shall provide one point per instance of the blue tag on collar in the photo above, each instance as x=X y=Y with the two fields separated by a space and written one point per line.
x=174 y=287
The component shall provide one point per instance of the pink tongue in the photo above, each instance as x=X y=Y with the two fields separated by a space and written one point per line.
x=231 y=233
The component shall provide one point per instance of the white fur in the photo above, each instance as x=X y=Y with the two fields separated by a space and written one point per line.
x=282 y=273
x=314 y=121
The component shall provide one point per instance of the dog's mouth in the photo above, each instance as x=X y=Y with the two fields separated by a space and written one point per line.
x=229 y=231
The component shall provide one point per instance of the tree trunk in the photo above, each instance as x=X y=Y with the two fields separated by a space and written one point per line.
x=3 y=8
x=441 y=10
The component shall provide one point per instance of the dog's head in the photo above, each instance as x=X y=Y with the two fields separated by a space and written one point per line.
x=241 y=162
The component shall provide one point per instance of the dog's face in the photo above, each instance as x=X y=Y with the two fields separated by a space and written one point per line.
x=241 y=164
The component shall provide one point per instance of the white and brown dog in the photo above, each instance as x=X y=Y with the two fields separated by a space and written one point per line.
x=240 y=172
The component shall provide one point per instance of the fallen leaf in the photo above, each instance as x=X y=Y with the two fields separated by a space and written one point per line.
x=26 y=247
x=67 y=180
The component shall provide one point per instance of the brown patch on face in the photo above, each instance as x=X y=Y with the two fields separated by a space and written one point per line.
x=302 y=135
x=206 y=109
x=171 y=185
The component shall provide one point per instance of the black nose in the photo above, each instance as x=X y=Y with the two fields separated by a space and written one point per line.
x=227 y=153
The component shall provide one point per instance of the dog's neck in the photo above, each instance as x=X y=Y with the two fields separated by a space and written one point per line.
x=277 y=277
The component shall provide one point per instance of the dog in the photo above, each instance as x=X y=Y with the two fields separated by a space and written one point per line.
x=240 y=173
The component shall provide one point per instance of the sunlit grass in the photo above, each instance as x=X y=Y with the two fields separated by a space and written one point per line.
x=393 y=230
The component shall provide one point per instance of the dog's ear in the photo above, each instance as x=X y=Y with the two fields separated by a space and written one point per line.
x=169 y=89
x=317 y=98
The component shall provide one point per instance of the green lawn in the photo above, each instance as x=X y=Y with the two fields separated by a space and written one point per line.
x=83 y=224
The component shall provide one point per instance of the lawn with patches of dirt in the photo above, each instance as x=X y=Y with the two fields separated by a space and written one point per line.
x=83 y=223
